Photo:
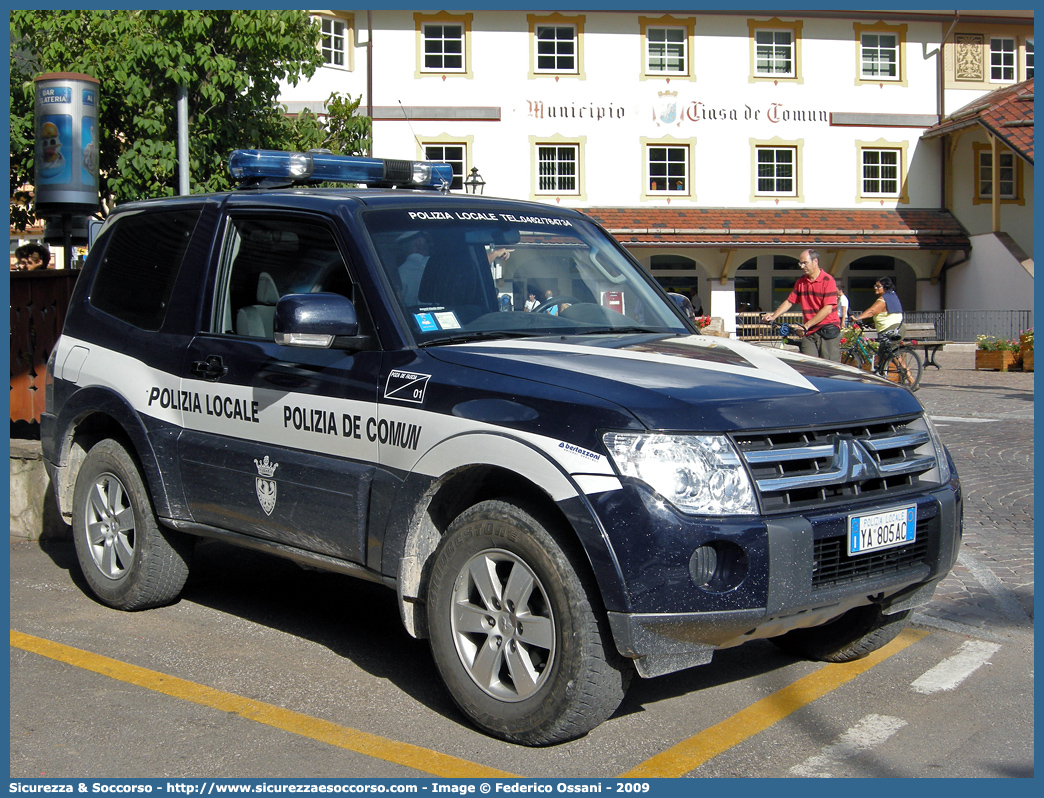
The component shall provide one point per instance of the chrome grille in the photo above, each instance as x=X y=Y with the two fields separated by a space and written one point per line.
x=793 y=469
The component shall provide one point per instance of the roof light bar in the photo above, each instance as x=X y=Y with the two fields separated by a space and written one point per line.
x=252 y=167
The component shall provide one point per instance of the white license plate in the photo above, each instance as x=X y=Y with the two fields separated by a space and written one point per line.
x=881 y=530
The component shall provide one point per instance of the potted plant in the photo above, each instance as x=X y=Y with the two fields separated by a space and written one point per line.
x=996 y=354
x=1026 y=349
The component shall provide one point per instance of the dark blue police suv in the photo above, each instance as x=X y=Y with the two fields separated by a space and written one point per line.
x=560 y=497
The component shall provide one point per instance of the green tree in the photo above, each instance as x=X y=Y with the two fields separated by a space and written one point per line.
x=231 y=64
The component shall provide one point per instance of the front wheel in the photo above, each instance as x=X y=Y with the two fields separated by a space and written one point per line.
x=853 y=636
x=513 y=633
x=129 y=562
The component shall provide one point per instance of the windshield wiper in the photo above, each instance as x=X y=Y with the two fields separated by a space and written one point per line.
x=624 y=330
x=480 y=335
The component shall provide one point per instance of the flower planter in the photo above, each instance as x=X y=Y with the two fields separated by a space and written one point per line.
x=1027 y=360
x=997 y=360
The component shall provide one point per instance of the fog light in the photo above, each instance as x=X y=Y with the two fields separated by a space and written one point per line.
x=718 y=566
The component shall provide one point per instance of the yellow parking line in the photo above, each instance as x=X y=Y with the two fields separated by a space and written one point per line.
x=689 y=754
x=410 y=756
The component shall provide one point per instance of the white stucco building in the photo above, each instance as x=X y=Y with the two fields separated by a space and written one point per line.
x=718 y=145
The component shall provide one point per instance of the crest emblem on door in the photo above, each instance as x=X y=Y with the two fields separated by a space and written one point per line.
x=264 y=484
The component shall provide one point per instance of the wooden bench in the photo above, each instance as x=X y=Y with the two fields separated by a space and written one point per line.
x=925 y=336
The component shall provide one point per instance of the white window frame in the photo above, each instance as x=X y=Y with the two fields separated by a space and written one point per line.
x=666 y=30
x=328 y=39
x=877 y=172
x=573 y=40
x=984 y=174
x=865 y=49
x=791 y=48
x=1028 y=69
x=1003 y=58
x=551 y=178
x=776 y=177
x=672 y=167
x=442 y=39
x=458 y=175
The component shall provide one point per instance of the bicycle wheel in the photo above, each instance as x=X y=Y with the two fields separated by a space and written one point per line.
x=903 y=367
x=851 y=356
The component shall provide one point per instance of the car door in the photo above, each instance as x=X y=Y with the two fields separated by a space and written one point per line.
x=273 y=444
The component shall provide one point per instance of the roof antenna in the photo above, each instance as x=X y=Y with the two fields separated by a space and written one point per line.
x=407 y=118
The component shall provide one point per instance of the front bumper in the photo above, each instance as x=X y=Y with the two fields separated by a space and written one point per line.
x=794 y=577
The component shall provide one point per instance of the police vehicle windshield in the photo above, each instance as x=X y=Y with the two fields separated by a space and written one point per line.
x=463 y=274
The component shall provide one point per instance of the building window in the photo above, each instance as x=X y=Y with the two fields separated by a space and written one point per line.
x=453 y=154
x=666 y=51
x=1002 y=60
x=1006 y=178
x=776 y=171
x=668 y=169
x=333 y=41
x=880 y=56
x=555 y=48
x=881 y=173
x=1029 y=58
x=558 y=168
x=774 y=56
x=443 y=48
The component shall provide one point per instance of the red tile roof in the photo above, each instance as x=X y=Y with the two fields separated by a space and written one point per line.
x=1006 y=112
x=761 y=227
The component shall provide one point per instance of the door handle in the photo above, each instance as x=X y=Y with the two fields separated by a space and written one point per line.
x=210 y=369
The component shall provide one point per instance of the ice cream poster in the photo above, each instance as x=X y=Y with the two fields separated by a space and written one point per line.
x=54 y=145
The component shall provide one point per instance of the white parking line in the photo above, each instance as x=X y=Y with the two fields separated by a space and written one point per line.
x=870 y=731
x=964 y=419
x=949 y=673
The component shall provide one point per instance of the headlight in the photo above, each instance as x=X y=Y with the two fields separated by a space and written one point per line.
x=696 y=473
x=940 y=452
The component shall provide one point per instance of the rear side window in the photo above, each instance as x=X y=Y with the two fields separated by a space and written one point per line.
x=140 y=264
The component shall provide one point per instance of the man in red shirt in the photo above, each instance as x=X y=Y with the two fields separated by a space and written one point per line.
x=816 y=292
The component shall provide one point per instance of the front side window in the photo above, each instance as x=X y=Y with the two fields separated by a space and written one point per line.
x=1002 y=60
x=443 y=47
x=1005 y=179
x=557 y=169
x=668 y=169
x=880 y=56
x=454 y=155
x=776 y=171
x=140 y=264
x=266 y=258
x=774 y=53
x=666 y=51
x=1029 y=58
x=556 y=48
x=881 y=176
x=333 y=41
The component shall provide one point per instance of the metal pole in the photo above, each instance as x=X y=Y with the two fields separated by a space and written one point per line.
x=183 y=144
x=369 y=76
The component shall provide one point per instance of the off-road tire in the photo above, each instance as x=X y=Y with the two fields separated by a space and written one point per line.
x=534 y=613
x=855 y=634
x=129 y=561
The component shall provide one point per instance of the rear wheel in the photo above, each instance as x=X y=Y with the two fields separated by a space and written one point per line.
x=852 y=636
x=516 y=640
x=903 y=367
x=127 y=559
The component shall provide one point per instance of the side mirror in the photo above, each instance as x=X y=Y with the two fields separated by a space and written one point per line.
x=318 y=321
x=684 y=305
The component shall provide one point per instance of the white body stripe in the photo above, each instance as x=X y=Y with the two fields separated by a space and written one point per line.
x=764 y=364
x=407 y=438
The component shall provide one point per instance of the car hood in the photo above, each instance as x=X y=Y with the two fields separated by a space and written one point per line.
x=691 y=382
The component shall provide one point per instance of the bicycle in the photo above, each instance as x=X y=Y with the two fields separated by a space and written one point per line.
x=892 y=360
x=781 y=331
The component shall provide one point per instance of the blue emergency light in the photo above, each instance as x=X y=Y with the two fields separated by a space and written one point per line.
x=261 y=167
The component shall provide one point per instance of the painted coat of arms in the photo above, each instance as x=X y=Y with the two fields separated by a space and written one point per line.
x=264 y=484
x=667 y=107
